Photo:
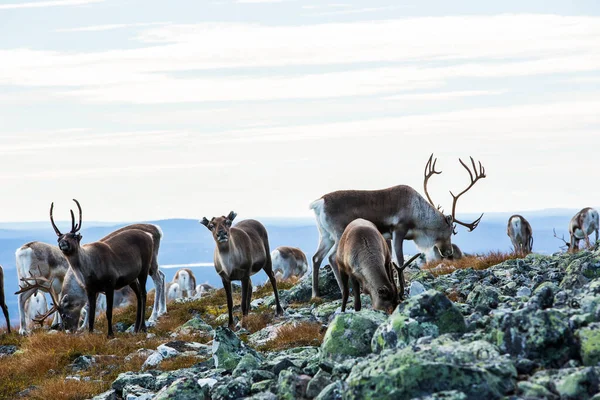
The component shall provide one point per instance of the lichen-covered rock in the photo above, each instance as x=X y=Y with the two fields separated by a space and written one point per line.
x=487 y=296
x=542 y=335
x=237 y=388
x=184 y=389
x=328 y=287
x=349 y=335
x=568 y=383
x=135 y=392
x=228 y=349
x=332 y=392
x=589 y=340
x=291 y=386
x=319 y=382
x=145 y=380
x=247 y=363
x=445 y=395
x=477 y=369
x=428 y=314
x=195 y=325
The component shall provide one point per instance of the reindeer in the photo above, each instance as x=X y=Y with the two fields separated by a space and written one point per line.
x=567 y=245
x=3 y=300
x=582 y=225
x=74 y=308
x=364 y=257
x=187 y=282
x=203 y=288
x=289 y=261
x=34 y=306
x=105 y=266
x=42 y=260
x=173 y=291
x=242 y=250
x=521 y=235
x=398 y=211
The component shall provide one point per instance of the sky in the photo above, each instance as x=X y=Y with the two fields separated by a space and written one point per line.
x=147 y=109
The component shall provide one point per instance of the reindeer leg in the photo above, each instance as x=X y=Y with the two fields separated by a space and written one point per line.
x=333 y=262
x=268 y=268
x=144 y=295
x=91 y=311
x=158 y=293
x=110 y=295
x=325 y=245
x=345 y=289
x=22 y=316
x=356 y=290
x=5 y=311
x=249 y=295
x=135 y=286
x=227 y=287
x=398 y=238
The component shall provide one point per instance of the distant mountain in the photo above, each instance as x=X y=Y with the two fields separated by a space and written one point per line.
x=186 y=241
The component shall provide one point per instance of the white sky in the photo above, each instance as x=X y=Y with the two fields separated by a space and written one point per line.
x=150 y=109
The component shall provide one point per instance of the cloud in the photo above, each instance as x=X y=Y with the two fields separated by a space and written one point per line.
x=44 y=4
x=445 y=95
x=357 y=11
x=110 y=27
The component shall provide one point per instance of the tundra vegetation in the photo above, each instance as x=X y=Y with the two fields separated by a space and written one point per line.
x=484 y=326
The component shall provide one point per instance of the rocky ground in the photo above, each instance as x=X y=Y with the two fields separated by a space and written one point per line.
x=523 y=329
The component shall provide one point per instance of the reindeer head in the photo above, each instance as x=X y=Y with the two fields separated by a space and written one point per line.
x=219 y=226
x=70 y=311
x=68 y=242
x=385 y=300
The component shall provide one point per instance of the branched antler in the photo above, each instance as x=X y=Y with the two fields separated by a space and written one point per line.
x=428 y=173
x=475 y=175
x=567 y=245
x=40 y=283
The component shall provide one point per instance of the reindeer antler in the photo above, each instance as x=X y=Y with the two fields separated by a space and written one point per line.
x=76 y=227
x=567 y=244
x=428 y=173
x=477 y=174
x=43 y=284
x=52 y=220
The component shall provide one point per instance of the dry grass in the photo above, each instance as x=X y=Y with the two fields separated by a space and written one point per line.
x=255 y=321
x=58 y=388
x=295 y=335
x=171 y=364
x=477 y=262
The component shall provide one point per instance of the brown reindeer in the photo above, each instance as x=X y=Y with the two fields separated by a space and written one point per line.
x=521 y=235
x=364 y=258
x=399 y=211
x=581 y=226
x=242 y=250
x=3 y=300
x=105 y=266
x=289 y=261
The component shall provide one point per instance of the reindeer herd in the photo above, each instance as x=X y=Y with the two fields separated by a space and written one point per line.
x=361 y=232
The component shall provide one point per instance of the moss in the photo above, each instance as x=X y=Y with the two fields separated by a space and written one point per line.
x=589 y=338
x=349 y=335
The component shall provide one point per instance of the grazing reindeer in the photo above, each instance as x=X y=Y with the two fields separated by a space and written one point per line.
x=105 y=266
x=520 y=233
x=398 y=210
x=3 y=300
x=34 y=306
x=74 y=307
x=364 y=257
x=242 y=250
x=41 y=260
x=289 y=261
x=567 y=245
x=203 y=288
x=173 y=291
x=187 y=282
x=582 y=225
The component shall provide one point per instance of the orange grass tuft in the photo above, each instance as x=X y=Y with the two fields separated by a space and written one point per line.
x=295 y=335
x=477 y=262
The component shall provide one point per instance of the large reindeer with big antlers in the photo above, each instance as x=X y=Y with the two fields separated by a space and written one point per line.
x=39 y=260
x=105 y=266
x=399 y=211
x=581 y=226
x=242 y=250
x=520 y=233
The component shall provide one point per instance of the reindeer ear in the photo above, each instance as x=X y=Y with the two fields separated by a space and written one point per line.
x=231 y=216
x=449 y=219
x=204 y=221
x=383 y=291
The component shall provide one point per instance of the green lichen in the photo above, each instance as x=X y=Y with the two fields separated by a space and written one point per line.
x=589 y=338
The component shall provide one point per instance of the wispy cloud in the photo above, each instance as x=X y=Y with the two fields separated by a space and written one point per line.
x=110 y=27
x=445 y=95
x=358 y=10
x=44 y=4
